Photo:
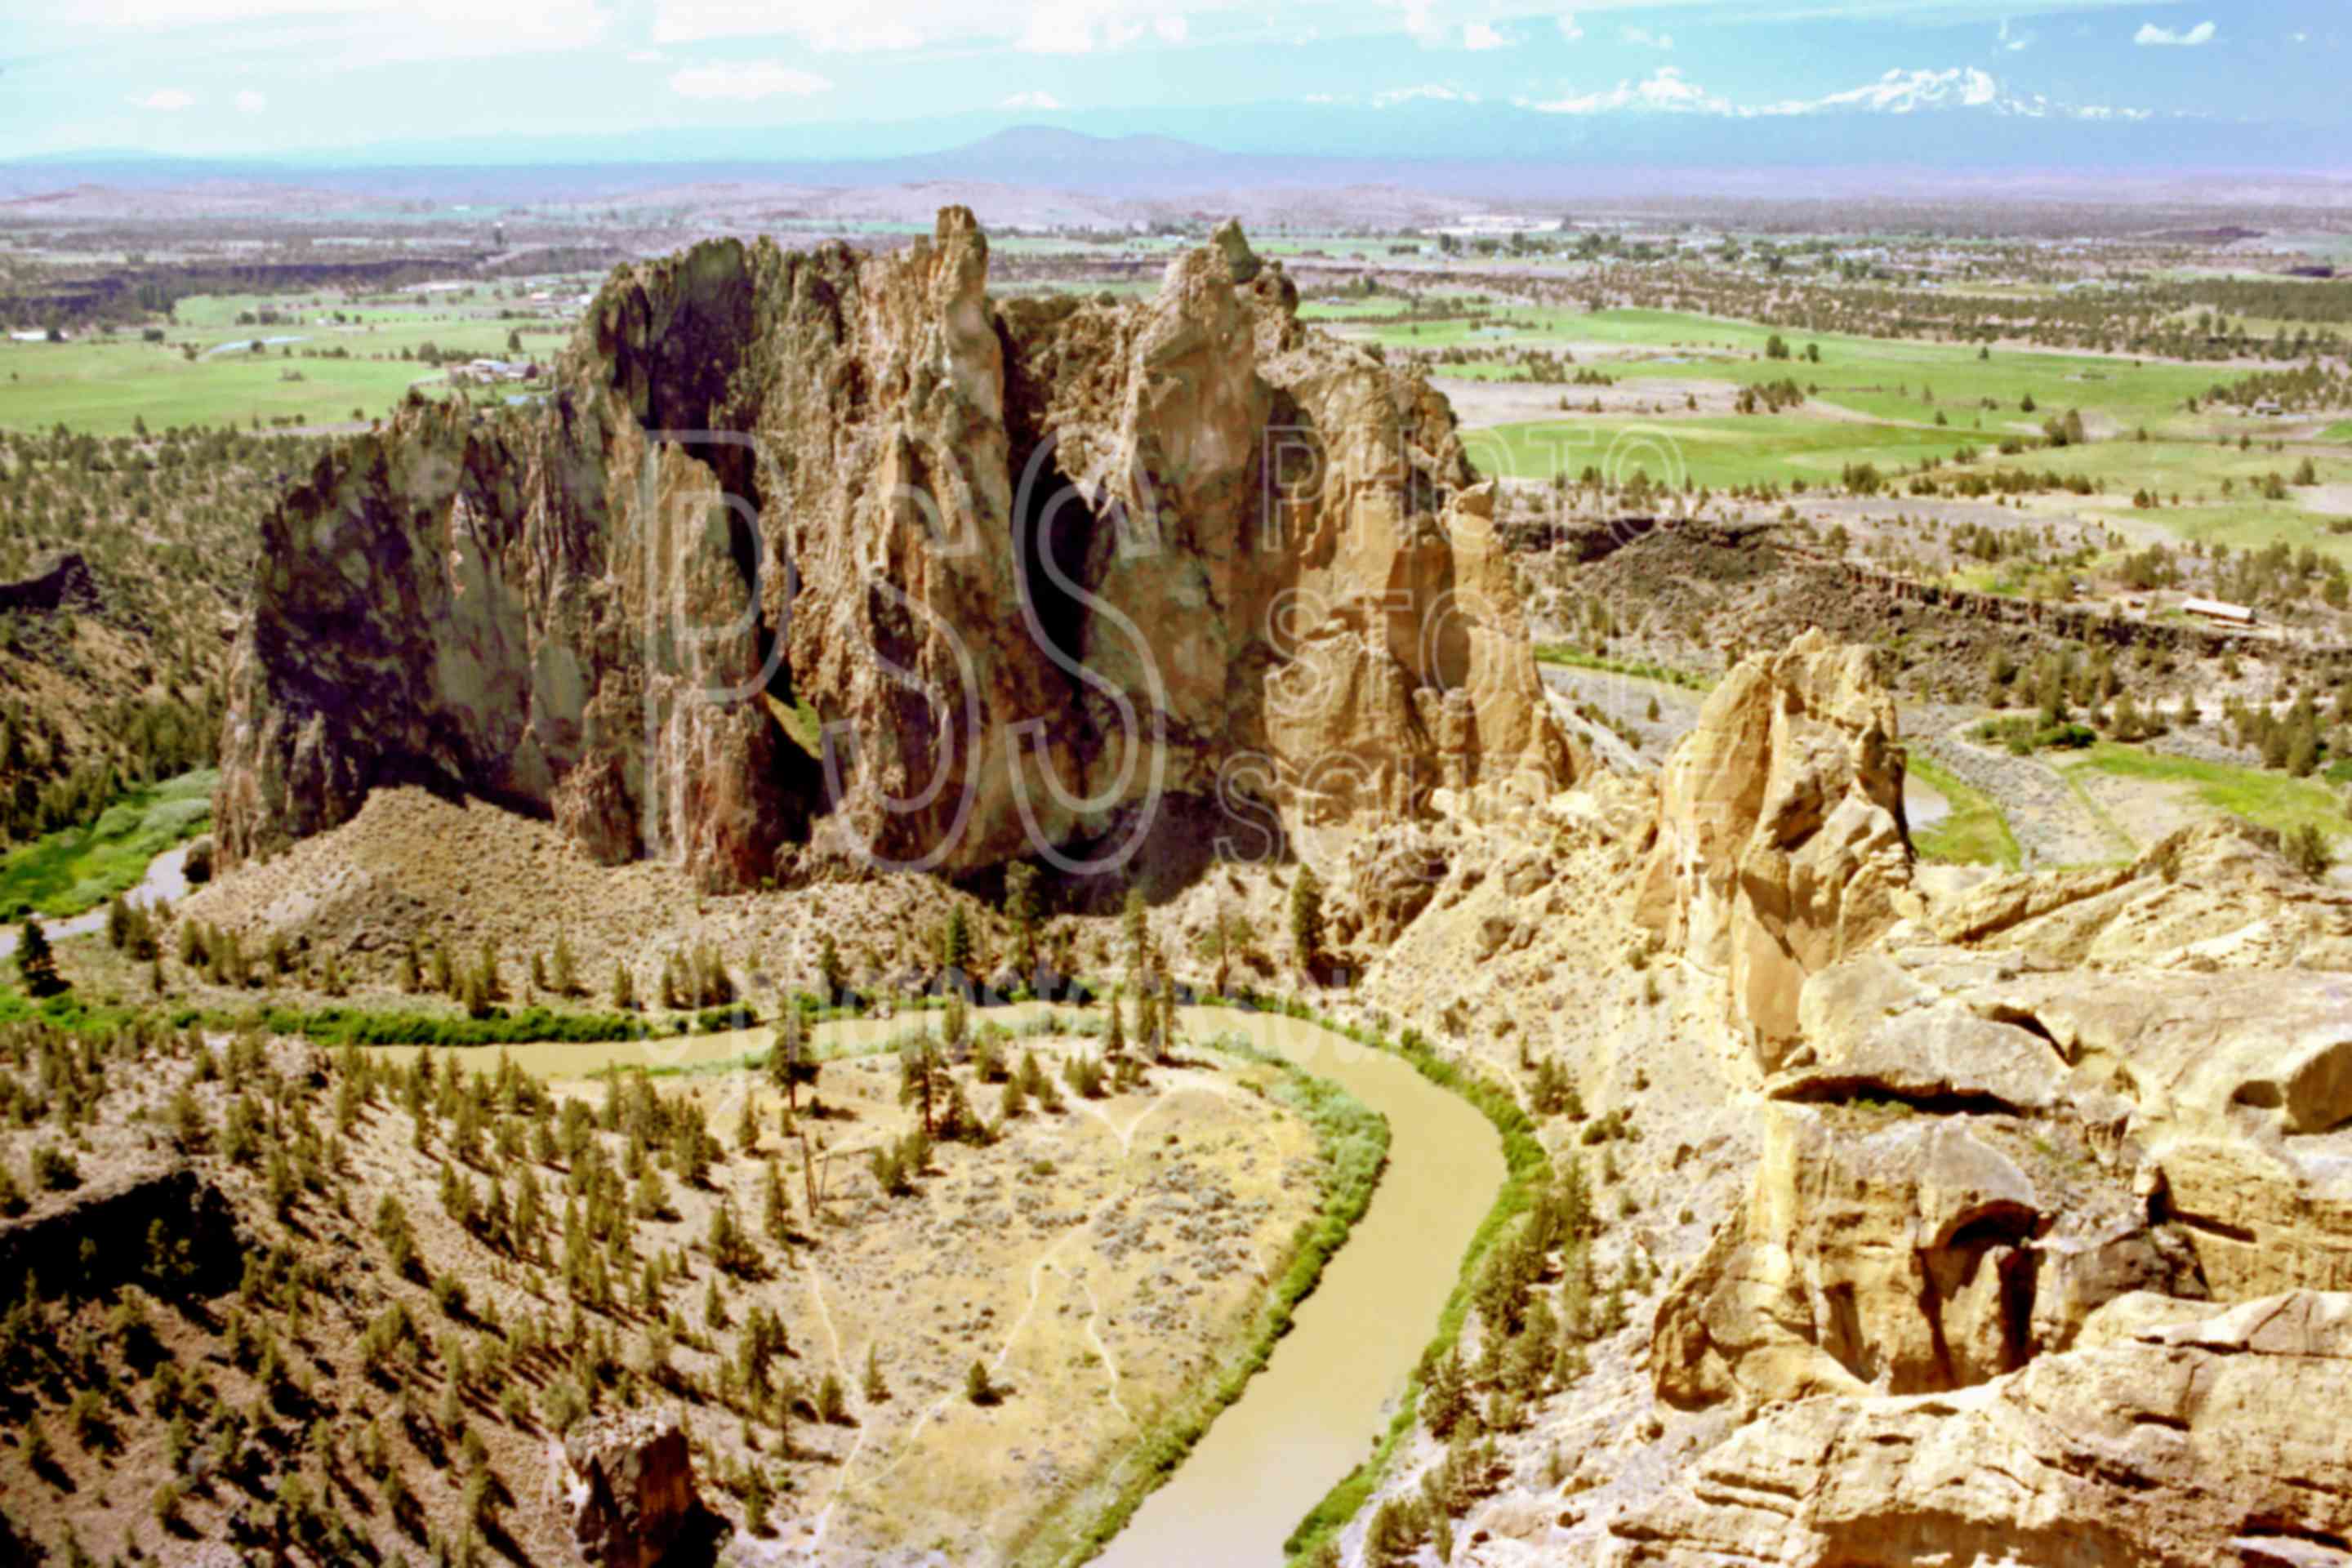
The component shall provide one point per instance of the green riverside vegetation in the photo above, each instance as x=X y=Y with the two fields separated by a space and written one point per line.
x=1355 y=1142
x=76 y=869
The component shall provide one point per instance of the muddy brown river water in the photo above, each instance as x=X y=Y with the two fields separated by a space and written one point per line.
x=1325 y=1395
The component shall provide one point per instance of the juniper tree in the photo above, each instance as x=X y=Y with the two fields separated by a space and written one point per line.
x=1021 y=907
x=919 y=1071
x=36 y=964
x=1307 y=918
x=955 y=941
x=830 y=974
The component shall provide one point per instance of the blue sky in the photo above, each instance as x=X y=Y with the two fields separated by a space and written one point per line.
x=308 y=76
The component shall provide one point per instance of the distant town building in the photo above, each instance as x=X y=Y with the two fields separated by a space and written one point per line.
x=2220 y=610
x=502 y=369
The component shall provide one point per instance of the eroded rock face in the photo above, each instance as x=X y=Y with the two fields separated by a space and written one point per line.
x=1032 y=570
x=625 y=1483
x=1910 y=1254
x=2168 y=1443
x=2212 y=896
x=1781 y=843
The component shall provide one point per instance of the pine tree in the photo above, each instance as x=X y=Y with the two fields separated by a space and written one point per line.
x=955 y=942
x=1137 y=922
x=1307 y=918
x=624 y=990
x=1021 y=907
x=830 y=974
x=790 y=1064
x=1445 y=1398
x=37 y=966
x=876 y=1390
x=919 y=1075
x=1115 y=1043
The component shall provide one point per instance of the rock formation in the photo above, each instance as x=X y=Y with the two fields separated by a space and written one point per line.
x=1037 y=577
x=2176 y=1440
x=625 y=1484
x=64 y=579
x=1781 y=844
x=2047 y=1237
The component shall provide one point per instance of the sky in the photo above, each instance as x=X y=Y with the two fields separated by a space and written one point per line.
x=311 y=77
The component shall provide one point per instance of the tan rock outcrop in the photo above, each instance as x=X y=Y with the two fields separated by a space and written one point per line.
x=2214 y=895
x=625 y=1485
x=2172 y=1445
x=1048 y=576
x=1781 y=843
x=1905 y=1255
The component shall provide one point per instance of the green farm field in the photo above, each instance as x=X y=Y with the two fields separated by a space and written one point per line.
x=106 y=384
x=1877 y=401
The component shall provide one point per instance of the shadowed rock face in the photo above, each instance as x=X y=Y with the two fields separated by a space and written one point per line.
x=1036 y=568
x=626 y=1483
x=63 y=579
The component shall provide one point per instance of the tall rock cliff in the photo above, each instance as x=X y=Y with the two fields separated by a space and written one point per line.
x=1044 y=577
x=1781 y=845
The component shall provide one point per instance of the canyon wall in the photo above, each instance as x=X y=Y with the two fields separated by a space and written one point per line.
x=826 y=559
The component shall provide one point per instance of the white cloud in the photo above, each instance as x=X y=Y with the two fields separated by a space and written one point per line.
x=2149 y=32
x=1031 y=100
x=1643 y=38
x=1085 y=26
x=1432 y=93
x=251 y=102
x=1665 y=88
x=335 y=33
x=646 y=57
x=1039 y=27
x=1904 y=91
x=1568 y=28
x=745 y=80
x=1479 y=36
x=170 y=99
x=2013 y=43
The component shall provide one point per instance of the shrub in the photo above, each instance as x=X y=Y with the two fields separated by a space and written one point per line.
x=2308 y=850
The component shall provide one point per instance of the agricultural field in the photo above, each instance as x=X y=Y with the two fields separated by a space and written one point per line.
x=1897 y=405
x=323 y=359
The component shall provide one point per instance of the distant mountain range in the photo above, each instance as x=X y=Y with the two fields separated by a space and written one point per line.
x=1912 y=132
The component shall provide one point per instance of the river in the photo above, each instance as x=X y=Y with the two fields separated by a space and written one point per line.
x=1320 y=1404
x=1325 y=1396
x=166 y=878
